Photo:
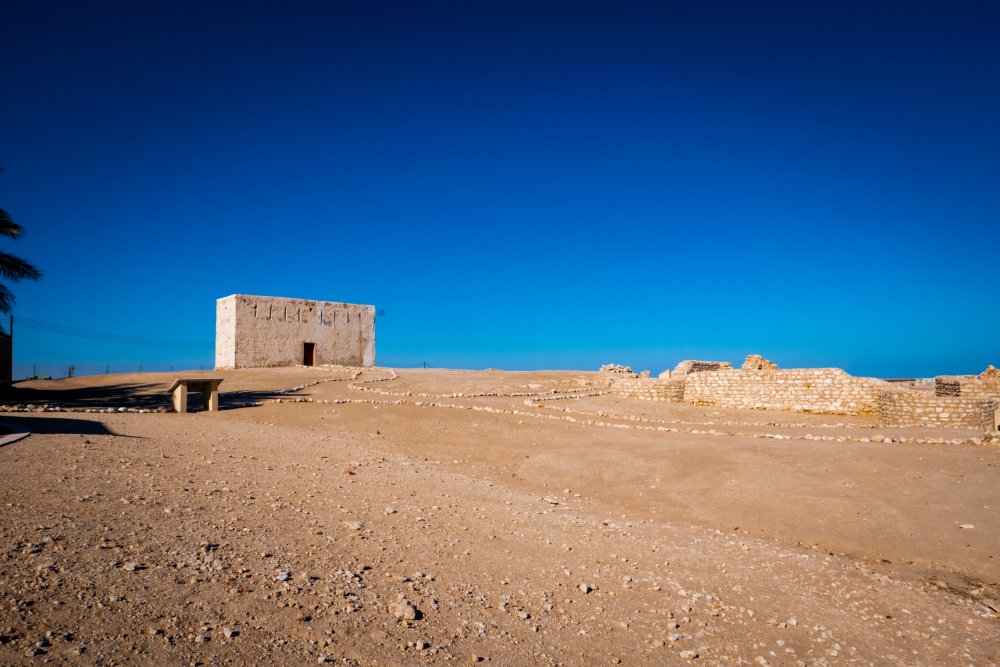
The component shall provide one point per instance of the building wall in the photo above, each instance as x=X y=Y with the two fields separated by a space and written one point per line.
x=822 y=390
x=225 y=332
x=260 y=331
x=902 y=407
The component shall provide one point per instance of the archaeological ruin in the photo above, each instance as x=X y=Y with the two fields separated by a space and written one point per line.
x=266 y=331
x=967 y=401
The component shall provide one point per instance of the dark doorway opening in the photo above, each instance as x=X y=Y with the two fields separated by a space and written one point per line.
x=308 y=354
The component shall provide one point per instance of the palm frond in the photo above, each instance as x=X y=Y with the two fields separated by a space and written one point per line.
x=14 y=268
x=8 y=227
x=7 y=299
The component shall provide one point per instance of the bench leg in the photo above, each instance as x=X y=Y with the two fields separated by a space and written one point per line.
x=180 y=399
x=212 y=400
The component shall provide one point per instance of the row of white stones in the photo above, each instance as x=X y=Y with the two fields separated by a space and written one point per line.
x=642 y=423
x=536 y=403
x=637 y=426
x=550 y=394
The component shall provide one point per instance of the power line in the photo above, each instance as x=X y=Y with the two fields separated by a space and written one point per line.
x=106 y=337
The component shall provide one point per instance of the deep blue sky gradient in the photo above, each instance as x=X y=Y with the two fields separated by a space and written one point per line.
x=517 y=185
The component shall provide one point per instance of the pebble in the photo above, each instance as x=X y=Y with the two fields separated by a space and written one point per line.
x=689 y=655
x=404 y=611
x=354 y=525
x=230 y=633
x=586 y=588
x=284 y=575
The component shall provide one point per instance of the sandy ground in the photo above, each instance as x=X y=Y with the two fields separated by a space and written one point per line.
x=385 y=520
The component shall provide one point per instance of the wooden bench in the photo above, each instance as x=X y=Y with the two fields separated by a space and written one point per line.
x=209 y=388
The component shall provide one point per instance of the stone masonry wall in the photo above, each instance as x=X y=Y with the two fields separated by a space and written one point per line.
x=970 y=386
x=822 y=390
x=261 y=331
x=901 y=407
x=650 y=389
x=690 y=366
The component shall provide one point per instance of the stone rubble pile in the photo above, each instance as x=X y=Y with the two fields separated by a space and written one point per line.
x=755 y=362
x=689 y=366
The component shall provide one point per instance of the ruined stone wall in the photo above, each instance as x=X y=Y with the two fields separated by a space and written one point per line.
x=902 y=407
x=690 y=366
x=260 y=331
x=650 y=389
x=822 y=390
x=970 y=386
x=755 y=362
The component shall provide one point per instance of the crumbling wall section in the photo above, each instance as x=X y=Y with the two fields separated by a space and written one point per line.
x=902 y=407
x=986 y=385
x=755 y=362
x=690 y=366
x=821 y=390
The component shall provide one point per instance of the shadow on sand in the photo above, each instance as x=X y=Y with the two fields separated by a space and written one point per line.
x=134 y=395
x=115 y=395
x=52 y=426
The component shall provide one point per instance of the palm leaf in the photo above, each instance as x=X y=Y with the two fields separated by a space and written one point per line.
x=6 y=299
x=8 y=227
x=14 y=268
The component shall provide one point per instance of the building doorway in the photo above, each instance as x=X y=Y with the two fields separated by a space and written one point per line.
x=308 y=354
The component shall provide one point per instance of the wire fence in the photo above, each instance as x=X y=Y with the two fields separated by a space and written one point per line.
x=193 y=353
x=56 y=369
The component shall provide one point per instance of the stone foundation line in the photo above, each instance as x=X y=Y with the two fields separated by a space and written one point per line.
x=604 y=424
x=568 y=393
x=536 y=403
x=519 y=413
x=638 y=427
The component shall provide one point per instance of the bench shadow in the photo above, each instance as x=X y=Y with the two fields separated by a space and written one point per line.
x=132 y=395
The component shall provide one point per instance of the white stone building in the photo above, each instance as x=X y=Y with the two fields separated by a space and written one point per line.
x=263 y=331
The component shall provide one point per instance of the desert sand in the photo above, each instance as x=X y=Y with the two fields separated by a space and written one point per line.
x=451 y=517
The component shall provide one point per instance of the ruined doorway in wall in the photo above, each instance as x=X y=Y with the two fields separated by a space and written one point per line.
x=308 y=354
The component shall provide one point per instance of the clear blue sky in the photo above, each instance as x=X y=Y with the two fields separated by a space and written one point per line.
x=518 y=185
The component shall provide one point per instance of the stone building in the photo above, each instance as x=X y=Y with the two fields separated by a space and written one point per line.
x=262 y=331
